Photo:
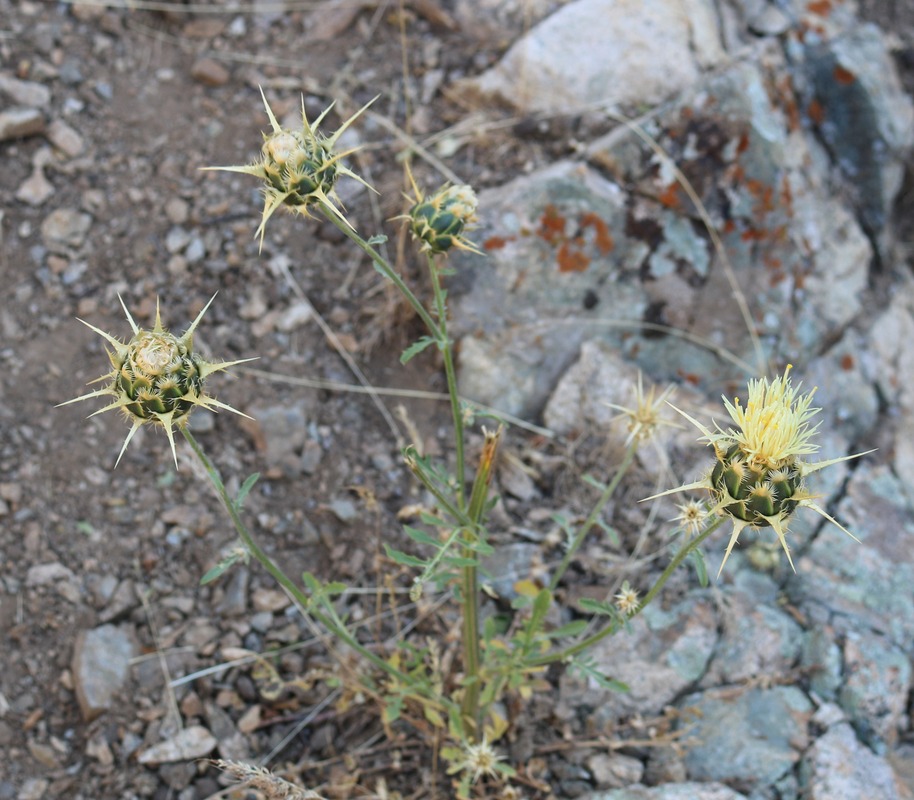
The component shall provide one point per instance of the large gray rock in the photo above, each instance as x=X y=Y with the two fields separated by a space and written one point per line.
x=757 y=641
x=746 y=737
x=863 y=116
x=663 y=653
x=867 y=584
x=555 y=273
x=838 y=767
x=627 y=52
x=876 y=687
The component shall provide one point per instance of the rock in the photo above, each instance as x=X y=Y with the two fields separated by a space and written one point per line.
x=233 y=746
x=641 y=52
x=101 y=666
x=36 y=189
x=177 y=210
x=65 y=138
x=190 y=743
x=295 y=316
x=65 y=228
x=209 y=72
x=822 y=657
x=838 y=767
x=496 y=19
x=660 y=655
x=44 y=574
x=876 y=687
x=556 y=264
x=673 y=791
x=18 y=123
x=744 y=736
x=757 y=641
x=614 y=770
x=25 y=93
x=866 y=584
x=283 y=431
x=864 y=116
x=511 y=563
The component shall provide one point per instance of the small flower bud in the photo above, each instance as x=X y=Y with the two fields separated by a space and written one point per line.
x=440 y=220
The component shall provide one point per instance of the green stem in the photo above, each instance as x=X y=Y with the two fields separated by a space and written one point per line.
x=450 y=374
x=612 y=627
x=303 y=601
x=385 y=269
x=470 y=585
x=594 y=515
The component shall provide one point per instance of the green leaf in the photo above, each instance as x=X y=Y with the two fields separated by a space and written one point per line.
x=404 y=559
x=415 y=348
x=460 y=561
x=422 y=537
x=378 y=238
x=392 y=709
x=229 y=561
x=701 y=568
x=601 y=607
x=245 y=489
x=541 y=605
x=588 y=668
x=611 y=532
x=571 y=629
x=590 y=480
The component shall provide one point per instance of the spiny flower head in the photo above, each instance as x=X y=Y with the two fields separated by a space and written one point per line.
x=644 y=419
x=156 y=377
x=758 y=478
x=299 y=168
x=692 y=517
x=439 y=221
x=627 y=599
x=480 y=759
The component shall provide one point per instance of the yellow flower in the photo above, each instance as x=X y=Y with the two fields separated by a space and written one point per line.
x=156 y=378
x=299 y=168
x=758 y=476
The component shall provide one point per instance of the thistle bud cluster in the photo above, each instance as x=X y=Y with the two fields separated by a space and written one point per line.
x=439 y=221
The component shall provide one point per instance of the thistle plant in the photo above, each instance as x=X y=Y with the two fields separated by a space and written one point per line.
x=758 y=476
x=299 y=169
x=156 y=378
x=757 y=480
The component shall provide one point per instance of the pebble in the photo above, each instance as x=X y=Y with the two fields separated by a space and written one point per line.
x=193 y=742
x=209 y=72
x=101 y=666
x=17 y=123
x=295 y=316
x=64 y=228
x=25 y=93
x=36 y=189
x=177 y=210
x=43 y=574
x=65 y=138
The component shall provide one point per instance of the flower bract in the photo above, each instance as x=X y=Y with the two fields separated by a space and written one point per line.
x=156 y=378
